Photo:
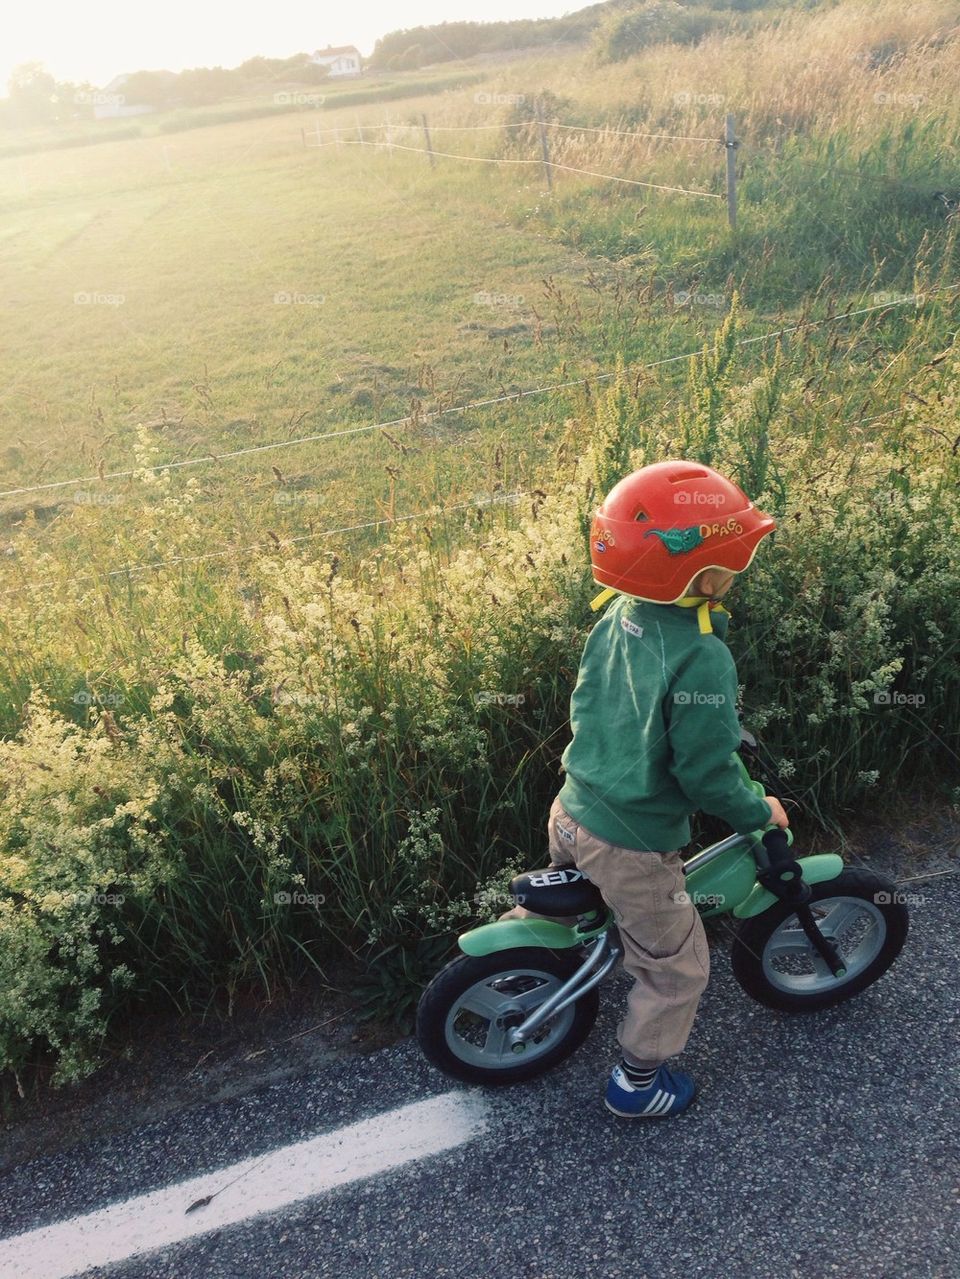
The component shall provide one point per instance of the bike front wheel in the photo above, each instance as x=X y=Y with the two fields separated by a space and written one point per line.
x=467 y=1011
x=858 y=911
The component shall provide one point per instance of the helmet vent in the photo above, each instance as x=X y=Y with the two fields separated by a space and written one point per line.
x=641 y=515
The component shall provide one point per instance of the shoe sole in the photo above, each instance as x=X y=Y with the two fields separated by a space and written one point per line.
x=669 y=1114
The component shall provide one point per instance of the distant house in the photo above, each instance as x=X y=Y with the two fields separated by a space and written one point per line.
x=112 y=103
x=342 y=59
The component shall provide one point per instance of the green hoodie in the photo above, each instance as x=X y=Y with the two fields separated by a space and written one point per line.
x=654 y=726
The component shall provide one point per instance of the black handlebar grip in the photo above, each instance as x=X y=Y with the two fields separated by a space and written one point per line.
x=775 y=842
x=783 y=875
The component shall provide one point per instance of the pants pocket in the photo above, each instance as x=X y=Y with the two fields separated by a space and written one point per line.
x=561 y=836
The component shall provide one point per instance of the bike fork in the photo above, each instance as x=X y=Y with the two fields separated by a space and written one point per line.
x=822 y=945
x=602 y=957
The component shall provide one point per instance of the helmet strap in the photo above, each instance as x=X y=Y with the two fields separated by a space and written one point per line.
x=598 y=601
x=702 y=604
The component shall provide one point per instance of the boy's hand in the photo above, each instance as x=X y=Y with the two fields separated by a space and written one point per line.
x=777 y=814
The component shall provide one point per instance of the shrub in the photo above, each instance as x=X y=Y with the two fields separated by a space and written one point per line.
x=658 y=22
x=366 y=772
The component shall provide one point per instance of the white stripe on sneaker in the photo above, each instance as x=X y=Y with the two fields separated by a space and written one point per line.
x=651 y=1106
x=668 y=1101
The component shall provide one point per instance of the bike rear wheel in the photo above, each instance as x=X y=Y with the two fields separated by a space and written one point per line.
x=467 y=1010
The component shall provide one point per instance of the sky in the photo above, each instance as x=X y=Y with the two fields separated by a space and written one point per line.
x=95 y=40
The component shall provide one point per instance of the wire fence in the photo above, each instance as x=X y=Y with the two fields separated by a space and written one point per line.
x=337 y=137
x=553 y=164
x=394 y=127
x=334 y=136
x=495 y=499
x=410 y=419
x=498 y=499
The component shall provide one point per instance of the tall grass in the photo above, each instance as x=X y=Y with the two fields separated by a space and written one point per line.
x=222 y=771
x=345 y=765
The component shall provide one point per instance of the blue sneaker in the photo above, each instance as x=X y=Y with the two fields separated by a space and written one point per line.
x=670 y=1093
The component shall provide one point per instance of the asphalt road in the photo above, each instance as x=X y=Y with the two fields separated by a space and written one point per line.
x=820 y=1146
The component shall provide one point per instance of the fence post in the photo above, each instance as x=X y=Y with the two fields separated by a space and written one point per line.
x=426 y=134
x=730 y=144
x=544 y=147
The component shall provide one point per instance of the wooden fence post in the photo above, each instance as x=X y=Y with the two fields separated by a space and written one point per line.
x=426 y=134
x=730 y=144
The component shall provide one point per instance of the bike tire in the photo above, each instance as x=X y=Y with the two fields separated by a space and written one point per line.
x=460 y=975
x=753 y=936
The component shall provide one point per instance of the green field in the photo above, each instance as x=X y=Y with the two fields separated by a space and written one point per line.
x=283 y=703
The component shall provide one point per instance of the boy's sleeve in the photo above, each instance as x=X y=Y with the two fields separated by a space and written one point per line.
x=703 y=732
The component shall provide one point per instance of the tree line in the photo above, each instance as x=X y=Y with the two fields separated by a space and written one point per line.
x=35 y=97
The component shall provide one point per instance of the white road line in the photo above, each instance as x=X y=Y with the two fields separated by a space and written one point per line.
x=282 y=1177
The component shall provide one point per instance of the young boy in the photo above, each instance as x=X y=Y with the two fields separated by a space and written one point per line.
x=655 y=726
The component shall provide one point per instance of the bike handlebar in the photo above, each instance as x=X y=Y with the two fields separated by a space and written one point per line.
x=758 y=788
x=777 y=869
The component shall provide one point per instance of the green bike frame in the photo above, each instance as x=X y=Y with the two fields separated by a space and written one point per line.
x=721 y=880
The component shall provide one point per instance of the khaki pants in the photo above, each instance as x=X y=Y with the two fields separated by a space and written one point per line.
x=665 y=946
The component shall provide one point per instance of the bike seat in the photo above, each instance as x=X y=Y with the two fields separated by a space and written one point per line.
x=556 y=890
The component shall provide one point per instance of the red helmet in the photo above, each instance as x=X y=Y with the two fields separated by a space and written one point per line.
x=661 y=526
